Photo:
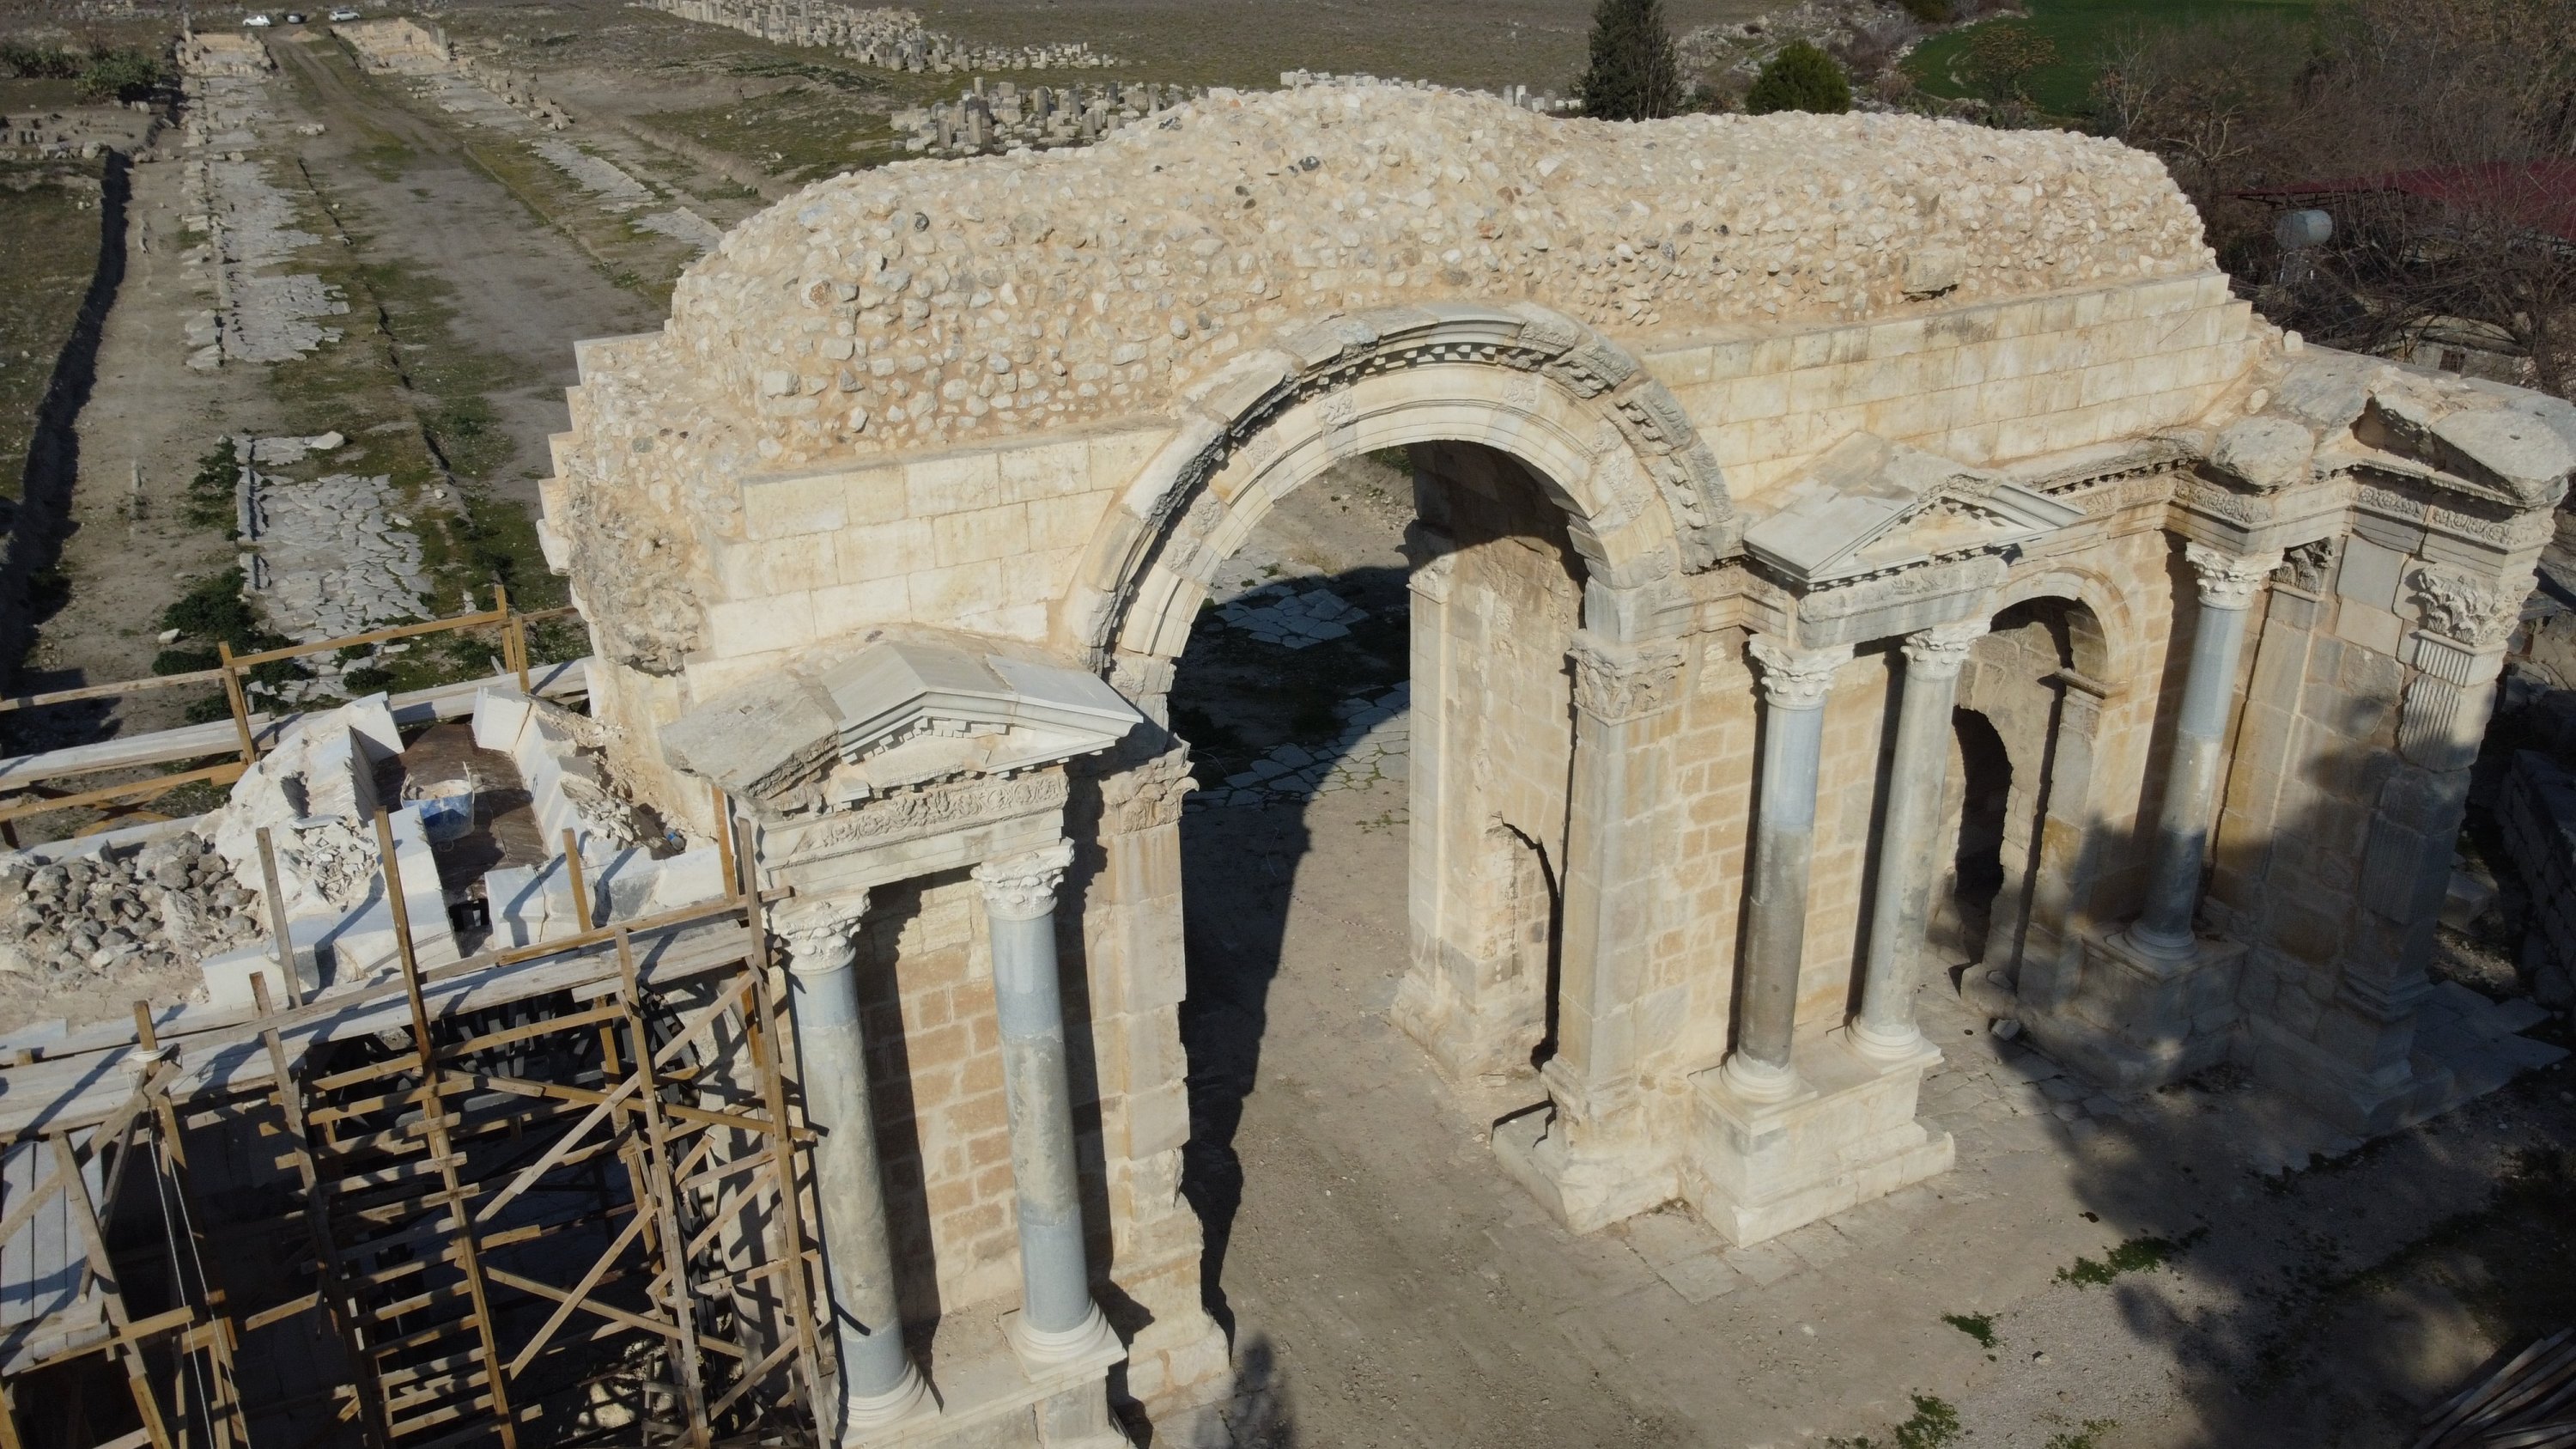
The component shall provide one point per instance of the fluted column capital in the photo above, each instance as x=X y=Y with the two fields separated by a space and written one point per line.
x=1022 y=887
x=821 y=932
x=1796 y=678
x=1940 y=651
x=2230 y=580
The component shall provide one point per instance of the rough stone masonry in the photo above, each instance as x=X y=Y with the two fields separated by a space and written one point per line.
x=1799 y=500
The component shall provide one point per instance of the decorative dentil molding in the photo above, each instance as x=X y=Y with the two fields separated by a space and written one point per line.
x=2475 y=612
x=1796 y=678
x=1022 y=887
x=1615 y=682
x=2230 y=580
x=1940 y=651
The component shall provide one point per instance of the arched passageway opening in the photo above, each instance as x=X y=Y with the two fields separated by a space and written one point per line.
x=1378 y=703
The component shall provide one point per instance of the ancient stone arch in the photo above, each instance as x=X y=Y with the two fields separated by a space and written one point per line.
x=888 y=539
x=1643 y=497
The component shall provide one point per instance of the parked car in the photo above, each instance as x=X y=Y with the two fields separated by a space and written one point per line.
x=294 y=17
x=344 y=13
x=262 y=21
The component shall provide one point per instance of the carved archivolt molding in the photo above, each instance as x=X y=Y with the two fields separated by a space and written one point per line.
x=1022 y=887
x=1797 y=678
x=2474 y=612
x=2230 y=580
x=1646 y=434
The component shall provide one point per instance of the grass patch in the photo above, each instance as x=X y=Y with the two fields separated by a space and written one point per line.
x=2137 y=1255
x=211 y=493
x=1979 y=1326
x=2080 y=30
x=808 y=131
x=1935 y=1424
x=2082 y=1438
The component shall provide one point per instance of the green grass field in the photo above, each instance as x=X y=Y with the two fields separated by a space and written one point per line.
x=2080 y=29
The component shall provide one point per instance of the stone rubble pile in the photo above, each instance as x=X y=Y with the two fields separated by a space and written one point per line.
x=1375 y=744
x=924 y=304
x=1291 y=617
x=90 y=919
x=886 y=38
x=1519 y=97
x=225 y=53
x=261 y=314
x=1041 y=117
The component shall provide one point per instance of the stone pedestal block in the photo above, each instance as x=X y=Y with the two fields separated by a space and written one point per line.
x=2138 y=1018
x=1846 y=1135
x=992 y=1397
x=1587 y=1179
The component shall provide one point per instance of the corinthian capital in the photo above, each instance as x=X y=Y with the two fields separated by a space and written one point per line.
x=2471 y=611
x=1938 y=652
x=1797 y=678
x=820 y=932
x=1022 y=887
x=2230 y=580
x=1615 y=681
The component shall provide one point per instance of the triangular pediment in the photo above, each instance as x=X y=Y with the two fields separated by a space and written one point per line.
x=898 y=713
x=1867 y=505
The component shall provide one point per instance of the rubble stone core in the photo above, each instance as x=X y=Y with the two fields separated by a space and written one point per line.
x=1701 y=413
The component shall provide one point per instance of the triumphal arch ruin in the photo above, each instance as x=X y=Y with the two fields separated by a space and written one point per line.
x=1770 y=474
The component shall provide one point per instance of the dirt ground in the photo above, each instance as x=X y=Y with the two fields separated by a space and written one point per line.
x=2141 y=1282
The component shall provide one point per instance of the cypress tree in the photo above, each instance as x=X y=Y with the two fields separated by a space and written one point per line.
x=1799 y=78
x=1635 y=75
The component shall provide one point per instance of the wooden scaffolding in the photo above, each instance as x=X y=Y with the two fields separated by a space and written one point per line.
x=551 y=1196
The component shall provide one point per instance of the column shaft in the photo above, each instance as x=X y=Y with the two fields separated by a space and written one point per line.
x=1794 y=685
x=2228 y=585
x=1057 y=1314
x=1901 y=911
x=878 y=1381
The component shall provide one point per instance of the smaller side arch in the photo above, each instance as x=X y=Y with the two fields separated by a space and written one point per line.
x=2102 y=630
x=1644 y=498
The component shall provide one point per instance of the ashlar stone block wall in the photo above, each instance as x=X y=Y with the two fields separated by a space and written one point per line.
x=1031 y=403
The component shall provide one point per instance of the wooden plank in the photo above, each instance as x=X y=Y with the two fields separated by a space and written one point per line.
x=161 y=747
x=673 y=1243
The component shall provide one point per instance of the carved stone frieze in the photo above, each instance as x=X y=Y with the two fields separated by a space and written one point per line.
x=913 y=814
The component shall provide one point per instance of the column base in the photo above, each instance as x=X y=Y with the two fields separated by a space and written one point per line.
x=866 y=1415
x=992 y=1397
x=1585 y=1180
x=2140 y=1017
x=1042 y=1352
x=1847 y=1134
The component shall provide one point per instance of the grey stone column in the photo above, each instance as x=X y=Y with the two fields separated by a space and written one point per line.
x=1794 y=685
x=1907 y=855
x=879 y=1384
x=2229 y=585
x=1058 y=1320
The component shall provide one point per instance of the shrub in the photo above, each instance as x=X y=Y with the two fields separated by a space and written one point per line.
x=1930 y=12
x=213 y=609
x=123 y=75
x=35 y=62
x=1800 y=78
